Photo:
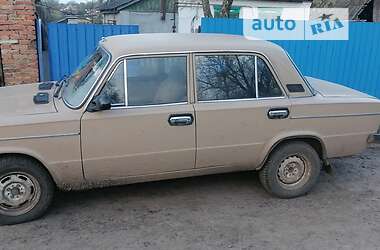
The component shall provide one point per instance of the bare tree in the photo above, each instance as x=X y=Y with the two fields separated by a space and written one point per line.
x=226 y=7
x=206 y=8
x=323 y=3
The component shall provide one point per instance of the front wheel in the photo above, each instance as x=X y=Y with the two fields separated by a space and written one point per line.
x=291 y=170
x=26 y=190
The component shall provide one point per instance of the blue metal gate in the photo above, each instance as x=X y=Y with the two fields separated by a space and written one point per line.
x=69 y=44
x=354 y=63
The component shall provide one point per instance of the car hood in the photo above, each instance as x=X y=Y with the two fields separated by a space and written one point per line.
x=18 y=100
x=329 y=89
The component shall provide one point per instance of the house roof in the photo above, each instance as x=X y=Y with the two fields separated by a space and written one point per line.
x=115 y=6
x=355 y=6
x=72 y=17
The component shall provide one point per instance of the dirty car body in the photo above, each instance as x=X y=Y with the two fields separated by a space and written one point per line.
x=152 y=107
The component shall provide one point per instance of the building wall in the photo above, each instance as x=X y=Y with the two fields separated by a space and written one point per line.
x=376 y=10
x=18 y=41
x=148 y=22
x=190 y=12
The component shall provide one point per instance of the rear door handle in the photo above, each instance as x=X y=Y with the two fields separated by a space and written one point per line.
x=278 y=113
x=181 y=120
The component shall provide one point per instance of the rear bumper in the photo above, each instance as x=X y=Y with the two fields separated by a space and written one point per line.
x=374 y=138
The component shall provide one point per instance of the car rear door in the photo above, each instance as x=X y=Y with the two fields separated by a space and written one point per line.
x=234 y=123
x=150 y=128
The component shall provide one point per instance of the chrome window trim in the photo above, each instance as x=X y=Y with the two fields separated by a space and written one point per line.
x=267 y=63
x=110 y=76
x=135 y=56
x=279 y=84
x=150 y=106
x=192 y=53
x=256 y=80
x=186 y=56
x=244 y=99
x=125 y=83
x=96 y=82
x=189 y=53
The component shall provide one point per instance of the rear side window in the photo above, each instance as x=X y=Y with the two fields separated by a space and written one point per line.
x=267 y=84
x=156 y=80
x=224 y=77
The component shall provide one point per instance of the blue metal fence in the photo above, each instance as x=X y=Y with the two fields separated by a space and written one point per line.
x=69 y=44
x=354 y=63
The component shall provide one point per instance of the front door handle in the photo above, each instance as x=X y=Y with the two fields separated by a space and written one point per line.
x=278 y=113
x=181 y=120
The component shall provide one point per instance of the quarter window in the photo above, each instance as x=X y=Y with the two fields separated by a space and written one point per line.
x=157 y=80
x=114 y=88
x=223 y=77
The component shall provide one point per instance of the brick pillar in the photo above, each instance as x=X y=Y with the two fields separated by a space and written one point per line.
x=18 y=41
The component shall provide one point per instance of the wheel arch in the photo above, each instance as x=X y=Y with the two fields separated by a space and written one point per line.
x=32 y=158
x=313 y=140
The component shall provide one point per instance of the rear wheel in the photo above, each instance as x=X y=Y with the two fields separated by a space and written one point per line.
x=291 y=170
x=26 y=190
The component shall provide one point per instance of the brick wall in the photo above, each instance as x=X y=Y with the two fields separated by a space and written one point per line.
x=18 y=41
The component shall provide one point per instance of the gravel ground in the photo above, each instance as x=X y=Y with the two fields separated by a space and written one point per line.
x=229 y=211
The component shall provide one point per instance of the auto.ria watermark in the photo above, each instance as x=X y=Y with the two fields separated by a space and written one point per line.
x=300 y=24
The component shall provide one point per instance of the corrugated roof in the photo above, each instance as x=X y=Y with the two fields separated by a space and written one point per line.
x=114 y=5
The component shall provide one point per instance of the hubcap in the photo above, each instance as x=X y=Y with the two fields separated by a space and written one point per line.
x=291 y=170
x=19 y=193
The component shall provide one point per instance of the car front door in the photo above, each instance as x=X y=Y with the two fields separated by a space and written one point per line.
x=150 y=128
x=240 y=106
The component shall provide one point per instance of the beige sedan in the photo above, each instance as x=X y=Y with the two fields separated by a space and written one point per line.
x=152 y=107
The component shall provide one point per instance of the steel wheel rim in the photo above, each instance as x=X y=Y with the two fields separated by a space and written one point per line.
x=294 y=171
x=19 y=193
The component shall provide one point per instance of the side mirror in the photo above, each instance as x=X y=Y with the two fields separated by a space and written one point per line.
x=99 y=103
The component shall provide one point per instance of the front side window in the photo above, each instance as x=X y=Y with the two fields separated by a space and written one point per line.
x=156 y=80
x=223 y=77
x=115 y=86
x=83 y=79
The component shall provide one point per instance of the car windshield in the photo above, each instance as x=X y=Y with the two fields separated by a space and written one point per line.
x=83 y=79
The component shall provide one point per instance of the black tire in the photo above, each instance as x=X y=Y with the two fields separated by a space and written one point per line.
x=33 y=178
x=291 y=170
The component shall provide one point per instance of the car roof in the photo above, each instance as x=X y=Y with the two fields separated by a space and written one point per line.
x=131 y=44
x=157 y=43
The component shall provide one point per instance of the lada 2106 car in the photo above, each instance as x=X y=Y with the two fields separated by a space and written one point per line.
x=161 y=106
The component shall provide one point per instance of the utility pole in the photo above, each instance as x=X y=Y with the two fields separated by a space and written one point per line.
x=92 y=11
x=174 y=27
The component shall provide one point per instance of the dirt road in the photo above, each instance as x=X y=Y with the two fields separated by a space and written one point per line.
x=229 y=211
